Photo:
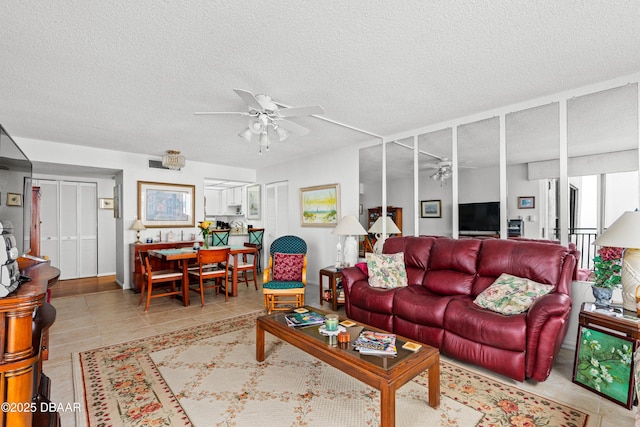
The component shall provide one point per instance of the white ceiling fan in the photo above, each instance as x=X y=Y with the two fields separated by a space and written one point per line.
x=268 y=117
x=444 y=169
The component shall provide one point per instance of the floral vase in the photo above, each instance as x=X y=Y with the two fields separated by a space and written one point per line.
x=206 y=241
x=602 y=295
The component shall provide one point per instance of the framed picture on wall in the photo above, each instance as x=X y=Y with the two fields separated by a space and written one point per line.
x=528 y=202
x=431 y=209
x=604 y=365
x=105 y=203
x=14 y=199
x=166 y=205
x=320 y=206
x=254 y=206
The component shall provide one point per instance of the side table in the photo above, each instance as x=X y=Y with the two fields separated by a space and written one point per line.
x=333 y=275
x=628 y=326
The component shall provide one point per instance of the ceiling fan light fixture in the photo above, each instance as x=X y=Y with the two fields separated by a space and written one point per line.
x=264 y=139
x=282 y=133
x=246 y=134
x=255 y=125
x=173 y=160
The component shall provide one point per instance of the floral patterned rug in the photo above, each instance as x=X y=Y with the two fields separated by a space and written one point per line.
x=207 y=375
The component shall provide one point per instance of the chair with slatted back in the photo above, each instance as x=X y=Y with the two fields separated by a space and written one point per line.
x=165 y=279
x=256 y=236
x=285 y=278
x=220 y=237
x=246 y=263
x=209 y=261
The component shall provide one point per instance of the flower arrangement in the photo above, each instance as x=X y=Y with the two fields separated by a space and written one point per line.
x=608 y=267
x=204 y=227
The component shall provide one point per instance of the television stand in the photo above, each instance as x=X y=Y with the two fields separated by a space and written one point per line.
x=475 y=233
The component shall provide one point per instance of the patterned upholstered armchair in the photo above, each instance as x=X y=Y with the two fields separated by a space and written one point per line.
x=285 y=278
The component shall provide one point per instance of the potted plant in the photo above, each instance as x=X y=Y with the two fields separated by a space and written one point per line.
x=607 y=268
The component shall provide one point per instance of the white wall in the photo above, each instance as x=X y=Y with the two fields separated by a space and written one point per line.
x=134 y=168
x=336 y=167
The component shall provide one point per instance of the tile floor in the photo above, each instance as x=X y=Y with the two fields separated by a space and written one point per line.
x=98 y=319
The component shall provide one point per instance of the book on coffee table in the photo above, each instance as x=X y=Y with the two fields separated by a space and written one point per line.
x=310 y=318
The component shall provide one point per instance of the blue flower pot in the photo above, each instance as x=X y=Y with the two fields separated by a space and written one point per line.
x=602 y=295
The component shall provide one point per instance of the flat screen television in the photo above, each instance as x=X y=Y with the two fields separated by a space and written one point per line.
x=479 y=218
x=15 y=191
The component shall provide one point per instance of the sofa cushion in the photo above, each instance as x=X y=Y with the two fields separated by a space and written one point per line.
x=452 y=266
x=386 y=271
x=420 y=306
x=511 y=295
x=541 y=262
x=467 y=320
x=287 y=267
x=416 y=255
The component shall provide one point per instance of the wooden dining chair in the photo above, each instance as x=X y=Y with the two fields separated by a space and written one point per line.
x=220 y=237
x=247 y=263
x=166 y=278
x=256 y=235
x=209 y=261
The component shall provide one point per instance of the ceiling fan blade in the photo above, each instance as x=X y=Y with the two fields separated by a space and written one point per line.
x=293 y=127
x=249 y=98
x=209 y=113
x=300 y=111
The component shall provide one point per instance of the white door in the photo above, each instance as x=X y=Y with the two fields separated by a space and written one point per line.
x=87 y=230
x=49 y=220
x=276 y=222
x=69 y=228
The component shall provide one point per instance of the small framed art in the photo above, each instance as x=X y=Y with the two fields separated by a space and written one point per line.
x=14 y=199
x=320 y=206
x=431 y=209
x=528 y=202
x=105 y=203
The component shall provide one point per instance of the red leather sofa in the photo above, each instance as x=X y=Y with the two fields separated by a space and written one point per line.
x=437 y=308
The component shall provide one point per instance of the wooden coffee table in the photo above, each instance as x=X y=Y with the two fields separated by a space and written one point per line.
x=386 y=374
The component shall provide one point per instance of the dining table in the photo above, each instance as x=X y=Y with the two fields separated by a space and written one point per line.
x=184 y=255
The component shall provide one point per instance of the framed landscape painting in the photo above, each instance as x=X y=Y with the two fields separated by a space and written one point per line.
x=320 y=206
x=431 y=209
x=166 y=205
x=604 y=365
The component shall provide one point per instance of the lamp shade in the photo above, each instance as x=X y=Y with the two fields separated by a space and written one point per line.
x=392 y=228
x=623 y=233
x=138 y=225
x=349 y=226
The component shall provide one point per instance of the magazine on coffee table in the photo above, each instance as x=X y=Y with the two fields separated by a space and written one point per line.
x=299 y=320
x=376 y=343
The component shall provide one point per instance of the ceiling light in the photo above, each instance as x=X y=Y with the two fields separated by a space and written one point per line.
x=246 y=134
x=282 y=133
x=173 y=160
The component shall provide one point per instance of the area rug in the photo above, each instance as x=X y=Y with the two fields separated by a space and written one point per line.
x=208 y=376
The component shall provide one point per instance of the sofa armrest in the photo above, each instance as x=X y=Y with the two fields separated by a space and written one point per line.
x=351 y=275
x=547 y=323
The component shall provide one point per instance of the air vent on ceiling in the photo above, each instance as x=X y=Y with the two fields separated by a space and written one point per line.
x=157 y=164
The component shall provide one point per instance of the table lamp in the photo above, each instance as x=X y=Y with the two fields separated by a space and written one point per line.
x=376 y=229
x=138 y=226
x=349 y=226
x=625 y=233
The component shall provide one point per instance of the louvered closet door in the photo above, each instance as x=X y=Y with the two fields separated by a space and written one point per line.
x=78 y=230
x=87 y=230
x=49 y=221
x=68 y=230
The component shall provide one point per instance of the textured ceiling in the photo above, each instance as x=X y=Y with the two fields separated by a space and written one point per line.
x=129 y=75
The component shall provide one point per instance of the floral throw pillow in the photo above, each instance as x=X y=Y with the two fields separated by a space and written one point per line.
x=386 y=271
x=287 y=267
x=511 y=294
